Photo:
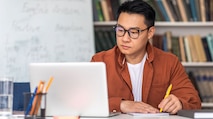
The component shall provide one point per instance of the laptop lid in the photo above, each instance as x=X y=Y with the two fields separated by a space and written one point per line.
x=78 y=88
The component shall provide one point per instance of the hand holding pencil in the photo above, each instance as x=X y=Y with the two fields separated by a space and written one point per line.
x=170 y=104
x=167 y=94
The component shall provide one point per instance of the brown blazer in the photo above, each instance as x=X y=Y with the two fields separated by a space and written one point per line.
x=161 y=69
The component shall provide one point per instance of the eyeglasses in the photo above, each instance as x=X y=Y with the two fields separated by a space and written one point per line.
x=132 y=32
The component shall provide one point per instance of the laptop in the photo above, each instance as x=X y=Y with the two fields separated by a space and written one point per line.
x=78 y=88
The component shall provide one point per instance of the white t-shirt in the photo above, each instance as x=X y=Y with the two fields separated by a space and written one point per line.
x=136 y=75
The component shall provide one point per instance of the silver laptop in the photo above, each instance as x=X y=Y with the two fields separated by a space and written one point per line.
x=78 y=88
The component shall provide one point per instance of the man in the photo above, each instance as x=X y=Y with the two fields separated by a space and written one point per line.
x=139 y=74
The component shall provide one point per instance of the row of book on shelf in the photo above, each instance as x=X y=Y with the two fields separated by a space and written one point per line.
x=104 y=39
x=189 y=48
x=203 y=82
x=166 y=10
x=183 y=10
x=105 y=10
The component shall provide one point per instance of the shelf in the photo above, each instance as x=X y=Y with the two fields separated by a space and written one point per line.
x=207 y=105
x=197 y=64
x=165 y=24
x=109 y=23
x=184 y=24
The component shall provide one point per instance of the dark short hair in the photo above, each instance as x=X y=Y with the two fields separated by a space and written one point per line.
x=138 y=7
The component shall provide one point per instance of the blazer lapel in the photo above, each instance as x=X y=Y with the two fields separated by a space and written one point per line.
x=126 y=77
x=147 y=80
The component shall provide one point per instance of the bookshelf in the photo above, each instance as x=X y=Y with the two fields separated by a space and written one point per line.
x=178 y=29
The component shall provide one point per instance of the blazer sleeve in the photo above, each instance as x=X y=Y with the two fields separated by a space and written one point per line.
x=183 y=87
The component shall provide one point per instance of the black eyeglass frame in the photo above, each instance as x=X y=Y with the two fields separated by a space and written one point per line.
x=128 y=31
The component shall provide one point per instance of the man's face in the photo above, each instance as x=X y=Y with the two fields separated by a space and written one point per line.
x=128 y=45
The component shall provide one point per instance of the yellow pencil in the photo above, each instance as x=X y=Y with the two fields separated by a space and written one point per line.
x=167 y=94
x=48 y=84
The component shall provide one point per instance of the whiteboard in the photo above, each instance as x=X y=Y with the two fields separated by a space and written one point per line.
x=43 y=31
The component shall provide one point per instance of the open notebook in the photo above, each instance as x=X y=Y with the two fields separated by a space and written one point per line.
x=78 y=88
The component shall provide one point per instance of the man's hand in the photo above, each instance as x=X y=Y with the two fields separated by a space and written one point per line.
x=140 y=107
x=171 y=104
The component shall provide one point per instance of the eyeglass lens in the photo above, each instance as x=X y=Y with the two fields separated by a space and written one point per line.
x=132 y=32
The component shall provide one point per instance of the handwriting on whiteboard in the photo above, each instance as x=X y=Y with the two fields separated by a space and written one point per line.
x=43 y=31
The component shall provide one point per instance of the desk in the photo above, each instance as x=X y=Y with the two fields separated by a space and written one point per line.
x=122 y=116
x=126 y=116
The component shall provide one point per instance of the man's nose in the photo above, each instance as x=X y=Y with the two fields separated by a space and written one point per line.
x=126 y=36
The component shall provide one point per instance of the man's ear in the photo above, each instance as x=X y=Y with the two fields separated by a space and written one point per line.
x=151 y=32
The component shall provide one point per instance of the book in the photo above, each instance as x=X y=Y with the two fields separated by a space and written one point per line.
x=209 y=39
x=194 y=9
x=112 y=37
x=176 y=47
x=197 y=114
x=169 y=40
x=207 y=11
x=182 y=10
x=159 y=16
x=187 y=48
x=172 y=10
x=182 y=49
x=210 y=79
x=105 y=10
x=162 y=10
x=164 y=48
x=168 y=11
x=111 y=15
x=206 y=48
x=192 y=47
x=187 y=7
x=114 y=4
x=103 y=41
x=194 y=82
x=99 y=10
x=199 y=81
x=203 y=82
x=206 y=86
x=203 y=10
x=107 y=40
x=98 y=45
x=95 y=11
x=176 y=9
x=211 y=10
x=199 y=48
